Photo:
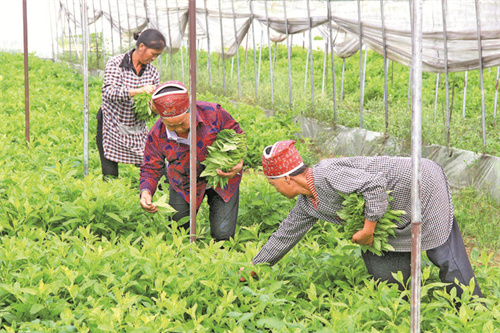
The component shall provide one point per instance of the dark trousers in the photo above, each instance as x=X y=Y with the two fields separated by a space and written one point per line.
x=451 y=259
x=222 y=215
x=109 y=168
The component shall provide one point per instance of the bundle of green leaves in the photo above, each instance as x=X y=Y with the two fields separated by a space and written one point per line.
x=352 y=213
x=141 y=108
x=228 y=149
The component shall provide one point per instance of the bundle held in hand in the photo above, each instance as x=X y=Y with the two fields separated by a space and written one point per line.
x=353 y=215
x=141 y=108
x=227 y=150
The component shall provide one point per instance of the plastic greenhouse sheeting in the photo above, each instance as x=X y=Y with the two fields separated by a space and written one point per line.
x=463 y=168
x=462 y=20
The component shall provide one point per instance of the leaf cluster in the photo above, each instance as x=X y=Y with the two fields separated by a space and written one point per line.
x=141 y=108
x=352 y=213
x=228 y=149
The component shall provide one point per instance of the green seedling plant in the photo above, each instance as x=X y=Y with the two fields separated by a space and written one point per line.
x=141 y=107
x=352 y=213
x=228 y=149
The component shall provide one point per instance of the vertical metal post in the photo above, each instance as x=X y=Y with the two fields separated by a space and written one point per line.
x=361 y=74
x=333 y=63
x=237 y=46
x=209 y=62
x=85 y=69
x=416 y=155
x=270 y=56
x=311 y=54
x=158 y=22
x=180 y=36
x=192 y=130
x=111 y=26
x=26 y=74
x=119 y=25
x=465 y=95
x=222 y=49
x=444 y=4
x=289 y=54
x=170 y=41
x=480 y=51
x=325 y=58
x=496 y=99
x=436 y=95
x=128 y=26
x=386 y=69
x=342 y=83
x=95 y=37
x=254 y=50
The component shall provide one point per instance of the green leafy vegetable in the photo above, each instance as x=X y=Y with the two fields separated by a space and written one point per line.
x=352 y=213
x=162 y=202
x=226 y=151
x=141 y=108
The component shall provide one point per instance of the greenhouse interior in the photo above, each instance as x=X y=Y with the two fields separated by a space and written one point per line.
x=413 y=79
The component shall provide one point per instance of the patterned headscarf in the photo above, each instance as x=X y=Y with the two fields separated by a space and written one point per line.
x=281 y=159
x=171 y=99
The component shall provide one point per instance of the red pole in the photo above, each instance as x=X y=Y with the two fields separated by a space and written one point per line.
x=192 y=94
x=26 y=75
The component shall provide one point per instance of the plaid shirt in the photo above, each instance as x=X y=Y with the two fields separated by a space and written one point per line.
x=372 y=177
x=211 y=118
x=123 y=135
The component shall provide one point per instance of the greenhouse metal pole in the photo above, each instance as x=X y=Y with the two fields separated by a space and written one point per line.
x=289 y=54
x=222 y=49
x=57 y=31
x=192 y=130
x=237 y=46
x=361 y=74
x=26 y=74
x=310 y=54
x=128 y=26
x=170 y=41
x=270 y=55
x=416 y=155
x=496 y=99
x=436 y=95
x=480 y=50
x=85 y=69
x=342 y=82
x=111 y=26
x=254 y=50
x=119 y=25
x=384 y=45
x=95 y=37
x=465 y=95
x=158 y=27
x=444 y=4
x=333 y=64
x=209 y=62
x=180 y=38
x=51 y=31
x=325 y=62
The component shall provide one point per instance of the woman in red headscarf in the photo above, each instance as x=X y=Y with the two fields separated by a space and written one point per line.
x=318 y=189
x=168 y=144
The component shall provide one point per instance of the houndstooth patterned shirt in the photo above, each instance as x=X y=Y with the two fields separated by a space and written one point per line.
x=372 y=177
x=123 y=135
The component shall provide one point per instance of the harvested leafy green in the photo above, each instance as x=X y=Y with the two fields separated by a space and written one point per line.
x=162 y=202
x=353 y=215
x=227 y=150
x=141 y=108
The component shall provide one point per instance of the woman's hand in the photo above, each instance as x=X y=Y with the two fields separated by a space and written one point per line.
x=146 y=204
x=232 y=172
x=148 y=89
x=365 y=235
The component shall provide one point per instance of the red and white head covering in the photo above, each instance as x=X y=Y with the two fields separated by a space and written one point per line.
x=281 y=159
x=171 y=99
